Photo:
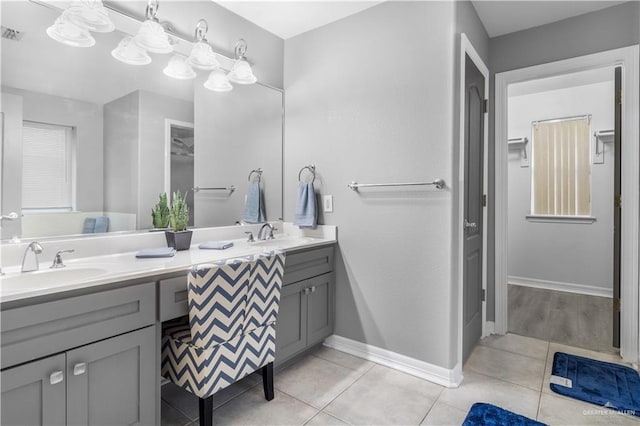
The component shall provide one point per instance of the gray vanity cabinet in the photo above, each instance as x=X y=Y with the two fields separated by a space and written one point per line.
x=306 y=302
x=34 y=393
x=81 y=360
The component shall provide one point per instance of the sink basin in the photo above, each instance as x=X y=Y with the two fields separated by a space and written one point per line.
x=49 y=277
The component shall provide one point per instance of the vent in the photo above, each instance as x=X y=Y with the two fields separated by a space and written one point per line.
x=11 y=34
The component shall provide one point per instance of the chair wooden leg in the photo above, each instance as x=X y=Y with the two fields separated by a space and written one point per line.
x=206 y=411
x=267 y=381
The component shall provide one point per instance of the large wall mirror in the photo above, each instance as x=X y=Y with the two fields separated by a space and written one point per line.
x=86 y=136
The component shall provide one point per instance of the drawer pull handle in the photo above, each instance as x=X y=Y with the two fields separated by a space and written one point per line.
x=56 y=377
x=79 y=368
x=313 y=289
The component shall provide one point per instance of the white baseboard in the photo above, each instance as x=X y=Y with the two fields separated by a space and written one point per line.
x=450 y=378
x=489 y=328
x=560 y=286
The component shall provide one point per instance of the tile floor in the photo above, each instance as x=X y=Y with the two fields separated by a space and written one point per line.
x=572 y=319
x=329 y=387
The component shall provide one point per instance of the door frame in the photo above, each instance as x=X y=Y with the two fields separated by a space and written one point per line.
x=466 y=48
x=626 y=57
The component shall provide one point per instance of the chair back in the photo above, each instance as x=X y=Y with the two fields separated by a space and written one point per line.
x=264 y=290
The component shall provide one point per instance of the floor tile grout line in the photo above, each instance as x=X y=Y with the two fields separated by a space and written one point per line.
x=506 y=381
x=544 y=373
x=432 y=405
x=344 y=366
x=511 y=352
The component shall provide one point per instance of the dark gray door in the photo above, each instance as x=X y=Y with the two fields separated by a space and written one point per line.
x=291 y=325
x=617 y=204
x=473 y=197
x=112 y=382
x=34 y=393
x=319 y=308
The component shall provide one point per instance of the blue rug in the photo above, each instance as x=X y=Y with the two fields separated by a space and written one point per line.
x=602 y=383
x=486 y=414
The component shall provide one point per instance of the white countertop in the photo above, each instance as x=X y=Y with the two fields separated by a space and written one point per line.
x=94 y=271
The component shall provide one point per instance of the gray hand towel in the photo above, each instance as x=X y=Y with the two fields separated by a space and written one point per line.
x=156 y=252
x=254 y=207
x=216 y=245
x=306 y=210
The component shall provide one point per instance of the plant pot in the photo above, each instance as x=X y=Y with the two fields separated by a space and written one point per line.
x=179 y=240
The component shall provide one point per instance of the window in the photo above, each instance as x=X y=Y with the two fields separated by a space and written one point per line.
x=47 y=167
x=561 y=168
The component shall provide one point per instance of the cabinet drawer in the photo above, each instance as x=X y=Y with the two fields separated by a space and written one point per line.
x=42 y=329
x=173 y=298
x=307 y=264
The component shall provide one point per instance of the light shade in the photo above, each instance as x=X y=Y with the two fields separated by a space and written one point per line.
x=179 y=68
x=152 y=37
x=202 y=57
x=66 y=32
x=241 y=72
x=90 y=15
x=218 y=81
x=130 y=53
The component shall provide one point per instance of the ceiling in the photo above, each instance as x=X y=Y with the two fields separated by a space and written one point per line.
x=287 y=19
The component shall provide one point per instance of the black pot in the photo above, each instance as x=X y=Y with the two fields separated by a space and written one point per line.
x=179 y=240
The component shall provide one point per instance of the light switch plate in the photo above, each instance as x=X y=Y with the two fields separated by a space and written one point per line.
x=327 y=203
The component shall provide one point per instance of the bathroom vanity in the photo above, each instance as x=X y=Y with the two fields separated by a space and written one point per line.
x=88 y=352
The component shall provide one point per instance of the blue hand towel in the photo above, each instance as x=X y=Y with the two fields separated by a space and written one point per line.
x=89 y=225
x=254 y=207
x=102 y=224
x=216 y=245
x=156 y=252
x=306 y=211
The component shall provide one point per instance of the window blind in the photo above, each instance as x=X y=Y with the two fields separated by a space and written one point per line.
x=46 y=166
x=561 y=168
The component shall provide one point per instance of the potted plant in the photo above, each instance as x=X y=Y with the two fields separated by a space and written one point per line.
x=179 y=237
x=160 y=212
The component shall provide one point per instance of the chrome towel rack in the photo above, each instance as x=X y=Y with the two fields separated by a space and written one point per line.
x=200 y=188
x=438 y=183
x=311 y=168
x=258 y=171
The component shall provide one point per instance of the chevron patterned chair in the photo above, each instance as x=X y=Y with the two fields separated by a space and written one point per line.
x=230 y=331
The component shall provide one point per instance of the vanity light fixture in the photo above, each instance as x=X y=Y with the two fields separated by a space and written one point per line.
x=66 y=32
x=90 y=15
x=130 y=53
x=202 y=56
x=241 y=72
x=179 y=68
x=73 y=25
x=218 y=81
x=151 y=36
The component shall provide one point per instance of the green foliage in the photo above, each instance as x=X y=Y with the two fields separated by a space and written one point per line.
x=179 y=214
x=160 y=212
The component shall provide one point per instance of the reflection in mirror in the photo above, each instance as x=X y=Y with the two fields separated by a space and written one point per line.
x=131 y=132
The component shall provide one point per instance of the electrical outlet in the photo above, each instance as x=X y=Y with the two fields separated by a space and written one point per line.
x=327 y=203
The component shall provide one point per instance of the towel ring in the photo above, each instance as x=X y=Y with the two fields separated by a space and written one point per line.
x=311 y=168
x=258 y=171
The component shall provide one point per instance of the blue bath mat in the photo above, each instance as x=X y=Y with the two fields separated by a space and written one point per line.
x=486 y=414
x=602 y=383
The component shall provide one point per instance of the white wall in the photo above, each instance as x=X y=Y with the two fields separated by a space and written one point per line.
x=370 y=98
x=562 y=252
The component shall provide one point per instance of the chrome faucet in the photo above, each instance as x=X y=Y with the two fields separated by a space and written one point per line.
x=57 y=260
x=30 y=259
x=270 y=235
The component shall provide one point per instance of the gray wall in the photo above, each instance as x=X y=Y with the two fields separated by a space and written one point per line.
x=370 y=98
x=121 y=135
x=606 y=29
x=571 y=253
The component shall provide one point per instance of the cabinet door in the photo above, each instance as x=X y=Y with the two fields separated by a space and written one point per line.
x=291 y=325
x=112 y=382
x=34 y=393
x=320 y=308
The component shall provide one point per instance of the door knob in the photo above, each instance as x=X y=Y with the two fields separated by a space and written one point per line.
x=10 y=216
x=471 y=225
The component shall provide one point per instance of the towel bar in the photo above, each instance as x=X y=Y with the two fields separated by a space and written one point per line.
x=199 y=188
x=438 y=183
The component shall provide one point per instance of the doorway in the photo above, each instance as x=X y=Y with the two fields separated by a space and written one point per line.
x=627 y=58
x=561 y=169
x=179 y=162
